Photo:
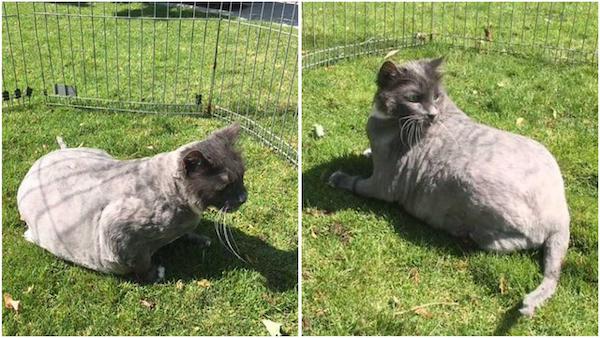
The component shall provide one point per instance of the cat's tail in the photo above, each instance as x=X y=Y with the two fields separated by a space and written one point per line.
x=61 y=142
x=555 y=250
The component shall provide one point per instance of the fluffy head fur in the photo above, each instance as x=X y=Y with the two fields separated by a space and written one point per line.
x=410 y=90
x=213 y=171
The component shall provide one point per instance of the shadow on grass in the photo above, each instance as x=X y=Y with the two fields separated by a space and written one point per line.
x=317 y=194
x=186 y=261
x=510 y=319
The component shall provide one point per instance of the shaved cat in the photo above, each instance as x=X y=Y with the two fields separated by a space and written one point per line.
x=502 y=190
x=88 y=208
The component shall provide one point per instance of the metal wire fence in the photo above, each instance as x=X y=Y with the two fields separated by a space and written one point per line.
x=552 y=31
x=232 y=60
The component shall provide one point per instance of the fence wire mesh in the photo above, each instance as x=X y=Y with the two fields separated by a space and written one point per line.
x=233 y=60
x=553 y=31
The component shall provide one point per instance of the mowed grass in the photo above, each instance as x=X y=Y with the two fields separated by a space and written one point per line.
x=368 y=266
x=59 y=298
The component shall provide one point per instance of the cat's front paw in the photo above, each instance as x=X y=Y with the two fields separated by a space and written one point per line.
x=160 y=273
x=200 y=240
x=336 y=179
x=367 y=153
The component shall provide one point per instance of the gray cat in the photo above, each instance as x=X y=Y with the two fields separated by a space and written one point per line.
x=111 y=216
x=502 y=190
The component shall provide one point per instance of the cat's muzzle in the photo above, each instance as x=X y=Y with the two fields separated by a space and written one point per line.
x=234 y=204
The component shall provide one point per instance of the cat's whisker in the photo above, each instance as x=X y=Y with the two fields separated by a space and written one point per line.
x=402 y=126
x=225 y=235
x=229 y=243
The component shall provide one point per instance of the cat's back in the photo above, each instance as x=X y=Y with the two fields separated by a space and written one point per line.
x=500 y=174
x=61 y=198
x=491 y=154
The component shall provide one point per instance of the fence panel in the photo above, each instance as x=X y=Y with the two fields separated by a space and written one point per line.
x=183 y=58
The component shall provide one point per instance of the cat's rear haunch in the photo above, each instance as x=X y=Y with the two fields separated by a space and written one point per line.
x=502 y=190
x=111 y=216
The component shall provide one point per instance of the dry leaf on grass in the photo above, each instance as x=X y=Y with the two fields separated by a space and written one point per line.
x=342 y=232
x=204 y=283
x=10 y=303
x=423 y=312
x=503 y=285
x=520 y=121
x=390 y=54
x=313 y=233
x=318 y=130
x=305 y=323
x=179 y=285
x=273 y=327
x=29 y=289
x=148 y=304
x=414 y=275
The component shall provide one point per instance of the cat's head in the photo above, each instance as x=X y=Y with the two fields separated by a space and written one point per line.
x=213 y=171
x=411 y=89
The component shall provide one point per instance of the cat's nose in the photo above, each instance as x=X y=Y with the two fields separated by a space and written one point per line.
x=243 y=197
x=432 y=113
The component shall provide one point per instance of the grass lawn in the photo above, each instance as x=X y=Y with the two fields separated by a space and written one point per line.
x=367 y=264
x=146 y=56
x=58 y=298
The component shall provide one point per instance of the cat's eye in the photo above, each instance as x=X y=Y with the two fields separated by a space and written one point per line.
x=413 y=98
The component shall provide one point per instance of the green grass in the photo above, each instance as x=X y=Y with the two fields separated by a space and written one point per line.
x=366 y=263
x=68 y=300
x=245 y=66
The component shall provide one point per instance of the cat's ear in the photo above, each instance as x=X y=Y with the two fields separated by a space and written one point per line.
x=389 y=74
x=193 y=161
x=230 y=133
x=435 y=63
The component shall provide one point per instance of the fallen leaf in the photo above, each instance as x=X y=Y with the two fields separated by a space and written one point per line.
x=488 y=33
x=150 y=147
x=554 y=114
x=318 y=130
x=10 y=303
x=179 y=285
x=423 y=312
x=414 y=275
x=148 y=304
x=390 y=54
x=502 y=83
x=461 y=265
x=204 y=283
x=520 y=121
x=339 y=230
x=314 y=211
x=305 y=323
x=273 y=327
x=313 y=233
x=503 y=285
x=29 y=289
